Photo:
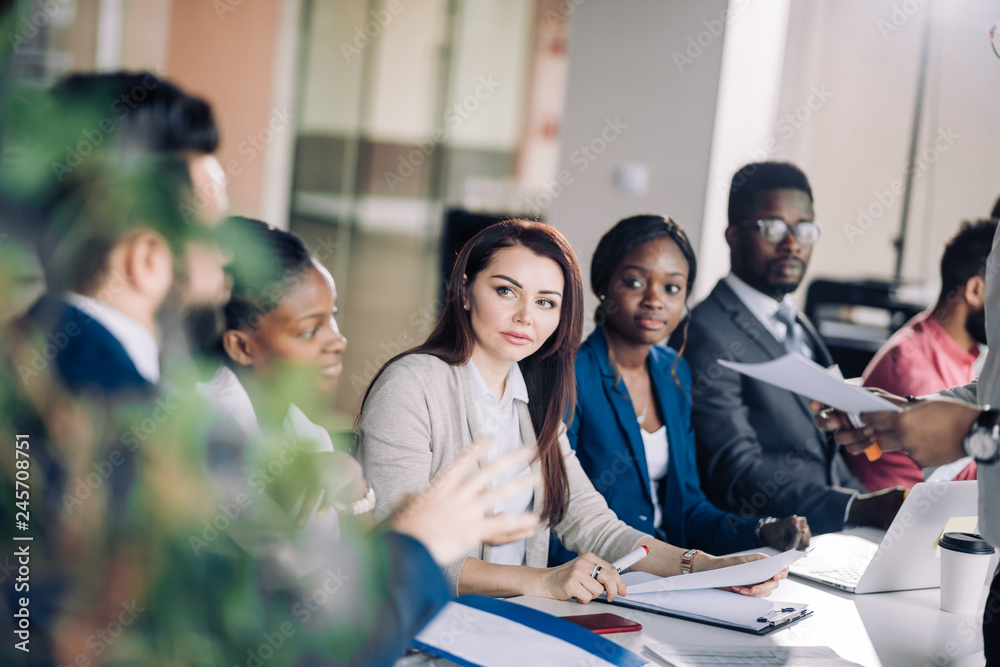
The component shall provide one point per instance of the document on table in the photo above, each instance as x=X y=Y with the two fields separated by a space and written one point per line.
x=738 y=656
x=743 y=574
x=804 y=376
x=474 y=630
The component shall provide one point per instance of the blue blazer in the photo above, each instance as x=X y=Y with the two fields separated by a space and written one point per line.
x=89 y=359
x=606 y=437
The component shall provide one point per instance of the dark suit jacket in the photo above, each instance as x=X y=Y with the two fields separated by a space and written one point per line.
x=606 y=437
x=89 y=359
x=407 y=586
x=759 y=451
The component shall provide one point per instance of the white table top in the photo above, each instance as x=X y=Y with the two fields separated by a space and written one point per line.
x=901 y=629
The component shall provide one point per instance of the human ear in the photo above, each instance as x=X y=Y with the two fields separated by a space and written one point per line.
x=733 y=237
x=975 y=292
x=148 y=265
x=238 y=346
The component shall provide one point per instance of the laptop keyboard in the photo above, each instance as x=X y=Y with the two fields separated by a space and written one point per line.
x=847 y=575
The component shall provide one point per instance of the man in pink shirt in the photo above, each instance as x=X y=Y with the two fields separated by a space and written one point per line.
x=935 y=350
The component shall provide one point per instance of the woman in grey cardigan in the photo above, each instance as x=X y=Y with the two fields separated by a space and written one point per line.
x=499 y=364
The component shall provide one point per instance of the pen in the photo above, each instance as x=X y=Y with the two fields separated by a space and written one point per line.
x=626 y=561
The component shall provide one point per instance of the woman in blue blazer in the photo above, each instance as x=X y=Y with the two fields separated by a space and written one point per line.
x=632 y=426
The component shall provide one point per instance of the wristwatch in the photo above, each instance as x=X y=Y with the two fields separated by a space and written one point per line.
x=983 y=441
x=687 y=560
x=366 y=504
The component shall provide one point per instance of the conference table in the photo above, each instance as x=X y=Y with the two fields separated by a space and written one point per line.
x=898 y=629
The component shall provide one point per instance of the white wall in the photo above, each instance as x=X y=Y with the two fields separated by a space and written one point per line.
x=752 y=56
x=843 y=114
x=622 y=65
x=854 y=148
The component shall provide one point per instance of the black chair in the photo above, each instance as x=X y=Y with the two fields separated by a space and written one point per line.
x=856 y=317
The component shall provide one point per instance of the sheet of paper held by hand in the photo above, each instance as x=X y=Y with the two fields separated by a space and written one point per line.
x=804 y=376
x=743 y=574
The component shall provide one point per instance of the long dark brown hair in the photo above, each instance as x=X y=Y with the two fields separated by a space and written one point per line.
x=548 y=373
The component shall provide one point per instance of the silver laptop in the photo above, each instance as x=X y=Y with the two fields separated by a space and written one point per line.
x=905 y=556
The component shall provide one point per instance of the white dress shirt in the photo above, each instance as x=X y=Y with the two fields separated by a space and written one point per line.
x=499 y=419
x=765 y=309
x=139 y=342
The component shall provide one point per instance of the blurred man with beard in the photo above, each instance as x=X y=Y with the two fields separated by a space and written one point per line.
x=759 y=451
x=936 y=350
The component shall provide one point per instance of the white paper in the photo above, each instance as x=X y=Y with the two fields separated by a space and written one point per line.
x=489 y=640
x=785 y=656
x=804 y=376
x=743 y=574
x=711 y=603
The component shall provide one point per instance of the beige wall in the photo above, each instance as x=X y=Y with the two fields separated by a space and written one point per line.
x=229 y=60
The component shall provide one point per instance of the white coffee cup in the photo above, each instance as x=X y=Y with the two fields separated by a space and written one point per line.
x=965 y=562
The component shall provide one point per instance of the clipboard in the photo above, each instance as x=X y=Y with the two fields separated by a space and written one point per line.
x=741 y=613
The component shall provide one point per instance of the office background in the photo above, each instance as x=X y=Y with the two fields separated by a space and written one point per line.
x=359 y=123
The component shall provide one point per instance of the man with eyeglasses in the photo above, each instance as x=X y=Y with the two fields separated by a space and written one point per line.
x=759 y=451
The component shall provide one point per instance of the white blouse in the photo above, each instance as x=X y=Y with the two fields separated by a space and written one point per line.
x=499 y=419
x=657 y=453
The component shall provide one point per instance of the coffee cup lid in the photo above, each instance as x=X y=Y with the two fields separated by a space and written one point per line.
x=967 y=543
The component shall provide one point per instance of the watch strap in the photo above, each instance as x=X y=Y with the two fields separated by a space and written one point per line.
x=687 y=560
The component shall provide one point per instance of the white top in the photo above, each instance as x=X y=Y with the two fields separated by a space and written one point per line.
x=232 y=400
x=657 y=454
x=139 y=342
x=265 y=529
x=499 y=419
x=765 y=309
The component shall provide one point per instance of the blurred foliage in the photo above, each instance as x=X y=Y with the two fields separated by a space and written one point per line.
x=113 y=537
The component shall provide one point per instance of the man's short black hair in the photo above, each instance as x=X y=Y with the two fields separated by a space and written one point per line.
x=965 y=254
x=148 y=112
x=762 y=177
x=128 y=134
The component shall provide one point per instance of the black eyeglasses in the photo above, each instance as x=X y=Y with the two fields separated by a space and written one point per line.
x=774 y=231
x=994 y=33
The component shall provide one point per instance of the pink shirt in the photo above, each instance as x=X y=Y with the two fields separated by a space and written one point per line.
x=921 y=358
